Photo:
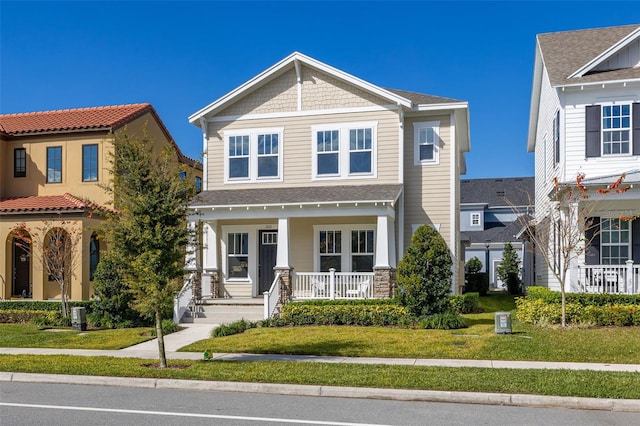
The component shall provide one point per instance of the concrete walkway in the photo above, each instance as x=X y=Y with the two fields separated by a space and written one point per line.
x=195 y=332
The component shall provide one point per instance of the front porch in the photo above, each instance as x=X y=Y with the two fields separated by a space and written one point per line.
x=614 y=279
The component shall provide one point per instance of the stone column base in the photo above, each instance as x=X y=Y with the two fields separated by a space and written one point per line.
x=197 y=284
x=384 y=283
x=286 y=284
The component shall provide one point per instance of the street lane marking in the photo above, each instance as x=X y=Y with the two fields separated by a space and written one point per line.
x=169 y=413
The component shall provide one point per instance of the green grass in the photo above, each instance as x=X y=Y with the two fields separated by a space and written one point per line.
x=543 y=382
x=479 y=341
x=30 y=336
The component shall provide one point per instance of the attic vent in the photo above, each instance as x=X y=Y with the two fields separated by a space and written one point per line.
x=500 y=193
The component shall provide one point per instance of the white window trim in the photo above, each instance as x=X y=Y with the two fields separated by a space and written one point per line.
x=630 y=128
x=346 y=242
x=344 y=151
x=252 y=254
x=629 y=243
x=435 y=125
x=253 y=154
x=477 y=216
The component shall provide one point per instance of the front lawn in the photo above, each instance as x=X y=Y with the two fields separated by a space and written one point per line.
x=30 y=336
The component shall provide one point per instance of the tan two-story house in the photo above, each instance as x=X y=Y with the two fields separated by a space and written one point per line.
x=52 y=166
x=314 y=176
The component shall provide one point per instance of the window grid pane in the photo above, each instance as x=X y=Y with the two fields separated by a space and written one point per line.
x=360 y=151
x=239 y=156
x=616 y=129
x=89 y=163
x=54 y=164
x=268 y=155
x=614 y=241
x=426 y=140
x=237 y=251
x=19 y=162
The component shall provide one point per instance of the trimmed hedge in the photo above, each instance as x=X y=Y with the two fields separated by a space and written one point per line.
x=464 y=303
x=444 y=321
x=540 y=312
x=42 y=305
x=23 y=317
x=584 y=299
x=358 y=302
x=366 y=314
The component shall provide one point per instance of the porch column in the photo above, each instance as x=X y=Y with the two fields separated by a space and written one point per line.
x=629 y=280
x=283 y=266
x=192 y=258
x=385 y=258
x=211 y=274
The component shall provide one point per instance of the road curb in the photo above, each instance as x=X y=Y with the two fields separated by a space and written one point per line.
x=519 y=400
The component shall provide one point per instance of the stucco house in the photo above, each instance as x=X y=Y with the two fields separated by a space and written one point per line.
x=314 y=181
x=493 y=212
x=585 y=119
x=52 y=164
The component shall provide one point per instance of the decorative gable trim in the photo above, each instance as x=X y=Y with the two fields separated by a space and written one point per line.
x=617 y=47
x=292 y=60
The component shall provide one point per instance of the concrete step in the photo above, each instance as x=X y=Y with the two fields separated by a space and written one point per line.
x=223 y=314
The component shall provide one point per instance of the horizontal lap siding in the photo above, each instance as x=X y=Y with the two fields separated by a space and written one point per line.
x=297 y=147
x=428 y=188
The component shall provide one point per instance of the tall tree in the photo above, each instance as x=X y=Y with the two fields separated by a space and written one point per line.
x=147 y=231
x=509 y=269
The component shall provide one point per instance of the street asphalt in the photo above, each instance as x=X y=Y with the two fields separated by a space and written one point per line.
x=195 y=332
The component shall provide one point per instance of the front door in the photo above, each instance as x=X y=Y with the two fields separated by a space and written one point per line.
x=21 y=269
x=266 y=259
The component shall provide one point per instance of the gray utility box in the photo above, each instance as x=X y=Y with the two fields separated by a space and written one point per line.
x=503 y=322
x=79 y=318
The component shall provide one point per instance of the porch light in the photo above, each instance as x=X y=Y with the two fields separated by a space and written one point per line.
x=24 y=257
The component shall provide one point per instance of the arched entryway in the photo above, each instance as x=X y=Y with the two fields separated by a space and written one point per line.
x=21 y=266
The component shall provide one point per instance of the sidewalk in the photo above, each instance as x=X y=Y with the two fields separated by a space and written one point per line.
x=195 y=332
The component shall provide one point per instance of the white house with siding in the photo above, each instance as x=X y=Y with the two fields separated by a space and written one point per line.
x=308 y=169
x=585 y=119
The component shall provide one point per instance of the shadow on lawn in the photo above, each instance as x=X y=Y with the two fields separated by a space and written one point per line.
x=323 y=348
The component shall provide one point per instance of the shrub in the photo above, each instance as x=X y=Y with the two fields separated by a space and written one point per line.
x=345 y=314
x=509 y=269
x=595 y=299
x=424 y=273
x=443 y=321
x=540 y=312
x=473 y=266
x=168 y=327
x=478 y=282
x=236 y=327
x=463 y=303
x=41 y=305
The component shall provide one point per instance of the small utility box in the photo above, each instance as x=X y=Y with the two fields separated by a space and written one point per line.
x=503 y=322
x=79 y=318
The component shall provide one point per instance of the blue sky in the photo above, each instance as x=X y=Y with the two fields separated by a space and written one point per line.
x=181 y=56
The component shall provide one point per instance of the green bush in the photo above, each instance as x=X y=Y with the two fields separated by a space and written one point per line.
x=40 y=318
x=478 y=282
x=540 y=312
x=168 y=327
x=473 y=266
x=236 y=327
x=346 y=314
x=42 y=305
x=359 y=302
x=424 y=273
x=585 y=299
x=443 y=321
x=463 y=303
x=509 y=269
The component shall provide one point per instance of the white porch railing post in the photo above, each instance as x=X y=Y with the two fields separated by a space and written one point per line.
x=332 y=283
x=629 y=277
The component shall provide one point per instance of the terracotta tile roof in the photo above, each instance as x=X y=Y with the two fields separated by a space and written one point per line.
x=42 y=203
x=98 y=118
x=566 y=52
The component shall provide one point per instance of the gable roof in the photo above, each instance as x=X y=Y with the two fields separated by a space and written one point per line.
x=97 y=119
x=42 y=203
x=498 y=192
x=569 y=56
x=396 y=97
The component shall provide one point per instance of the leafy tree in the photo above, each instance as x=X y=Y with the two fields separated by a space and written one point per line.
x=473 y=265
x=55 y=246
x=113 y=298
x=509 y=269
x=424 y=273
x=147 y=233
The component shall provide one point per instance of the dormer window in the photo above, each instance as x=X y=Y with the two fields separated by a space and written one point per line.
x=475 y=219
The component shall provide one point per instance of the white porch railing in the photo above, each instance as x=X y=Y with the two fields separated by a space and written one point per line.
x=332 y=285
x=183 y=298
x=272 y=297
x=617 y=279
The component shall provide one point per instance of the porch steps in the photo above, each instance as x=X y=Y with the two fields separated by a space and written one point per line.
x=225 y=311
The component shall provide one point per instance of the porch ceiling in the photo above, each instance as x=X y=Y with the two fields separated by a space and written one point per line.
x=297 y=196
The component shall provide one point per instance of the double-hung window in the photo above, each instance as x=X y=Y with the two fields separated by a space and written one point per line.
x=19 y=162
x=362 y=245
x=89 y=163
x=253 y=155
x=54 y=164
x=330 y=250
x=614 y=241
x=426 y=142
x=344 y=150
x=238 y=255
x=616 y=128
